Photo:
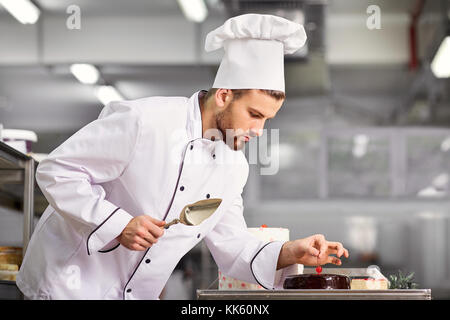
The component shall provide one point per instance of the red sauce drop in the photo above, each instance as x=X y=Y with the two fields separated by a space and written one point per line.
x=319 y=269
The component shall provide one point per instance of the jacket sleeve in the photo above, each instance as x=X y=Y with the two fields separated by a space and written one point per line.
x=71 y=176
x=241 y=255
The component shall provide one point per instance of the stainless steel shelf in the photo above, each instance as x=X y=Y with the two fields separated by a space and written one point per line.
x=391 y=294
x=11 y=158
x=17 y=168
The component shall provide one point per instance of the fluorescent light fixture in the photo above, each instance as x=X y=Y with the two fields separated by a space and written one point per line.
x=23 y=10
x=430 y=215
x=441 y=181
x=445 y=145
x=441 y=61
x=431 y=192
x=361 y=139
x=193 y=10
x=85 y=73
x=106 y=94
x=360 y=143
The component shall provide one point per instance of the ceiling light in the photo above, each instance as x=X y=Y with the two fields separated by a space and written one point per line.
x=361 y=139
x=441 y=61
x=193 y=10
x=445 y=145
x=106 y=94
x=85 y=73
x=441 y=181
x=430 y=192
x=23 y=10
x=360 y=143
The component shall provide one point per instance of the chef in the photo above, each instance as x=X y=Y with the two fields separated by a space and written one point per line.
x=113 y=185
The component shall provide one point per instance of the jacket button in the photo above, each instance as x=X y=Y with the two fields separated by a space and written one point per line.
x=207 y=196
x=192 y=147
x=198 y=236
x=147 y=261
x=214 y=156
x=181 y=188
x=128 y=290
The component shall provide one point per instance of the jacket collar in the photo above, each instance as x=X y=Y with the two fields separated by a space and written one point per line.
x=194 y=124
x=194 y=121
x=194 y=127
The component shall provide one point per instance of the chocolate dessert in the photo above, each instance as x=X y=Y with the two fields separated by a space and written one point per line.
x=317 y=281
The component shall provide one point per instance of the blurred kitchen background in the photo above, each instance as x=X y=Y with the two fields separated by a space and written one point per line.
x=364 y=134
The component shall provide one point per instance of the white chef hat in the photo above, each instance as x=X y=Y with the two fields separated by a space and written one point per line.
x=254 y=46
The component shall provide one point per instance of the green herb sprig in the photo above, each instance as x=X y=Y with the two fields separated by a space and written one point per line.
x=402 y=281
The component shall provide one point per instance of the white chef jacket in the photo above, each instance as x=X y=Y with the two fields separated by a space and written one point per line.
x=145 y=156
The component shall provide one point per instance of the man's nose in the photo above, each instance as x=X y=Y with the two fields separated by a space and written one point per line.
x=256 y=132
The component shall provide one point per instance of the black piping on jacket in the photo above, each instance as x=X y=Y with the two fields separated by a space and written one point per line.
x=165 y=216
x=251 y=265
x=109 y=250
x=87 y=241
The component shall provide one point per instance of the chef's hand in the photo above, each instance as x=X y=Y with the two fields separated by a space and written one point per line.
x=141 y=233
x=311 y=251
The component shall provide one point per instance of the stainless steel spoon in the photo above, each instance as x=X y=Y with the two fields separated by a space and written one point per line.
x=195 y=213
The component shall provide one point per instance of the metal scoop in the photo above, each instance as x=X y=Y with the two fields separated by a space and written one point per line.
x=195 y=213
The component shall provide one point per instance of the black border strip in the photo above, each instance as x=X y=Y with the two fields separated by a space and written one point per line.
x=87 y=240
x=253 y=259
x=105 y=251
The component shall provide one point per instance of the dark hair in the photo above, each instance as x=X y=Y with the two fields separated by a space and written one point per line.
x=237 y=93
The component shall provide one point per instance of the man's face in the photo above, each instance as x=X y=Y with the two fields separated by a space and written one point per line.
x=241 y=119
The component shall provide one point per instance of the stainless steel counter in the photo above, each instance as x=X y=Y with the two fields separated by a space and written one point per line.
x=392 y=294
x=9 y=291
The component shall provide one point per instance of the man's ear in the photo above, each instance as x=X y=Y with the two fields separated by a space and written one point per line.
x=223 y=97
